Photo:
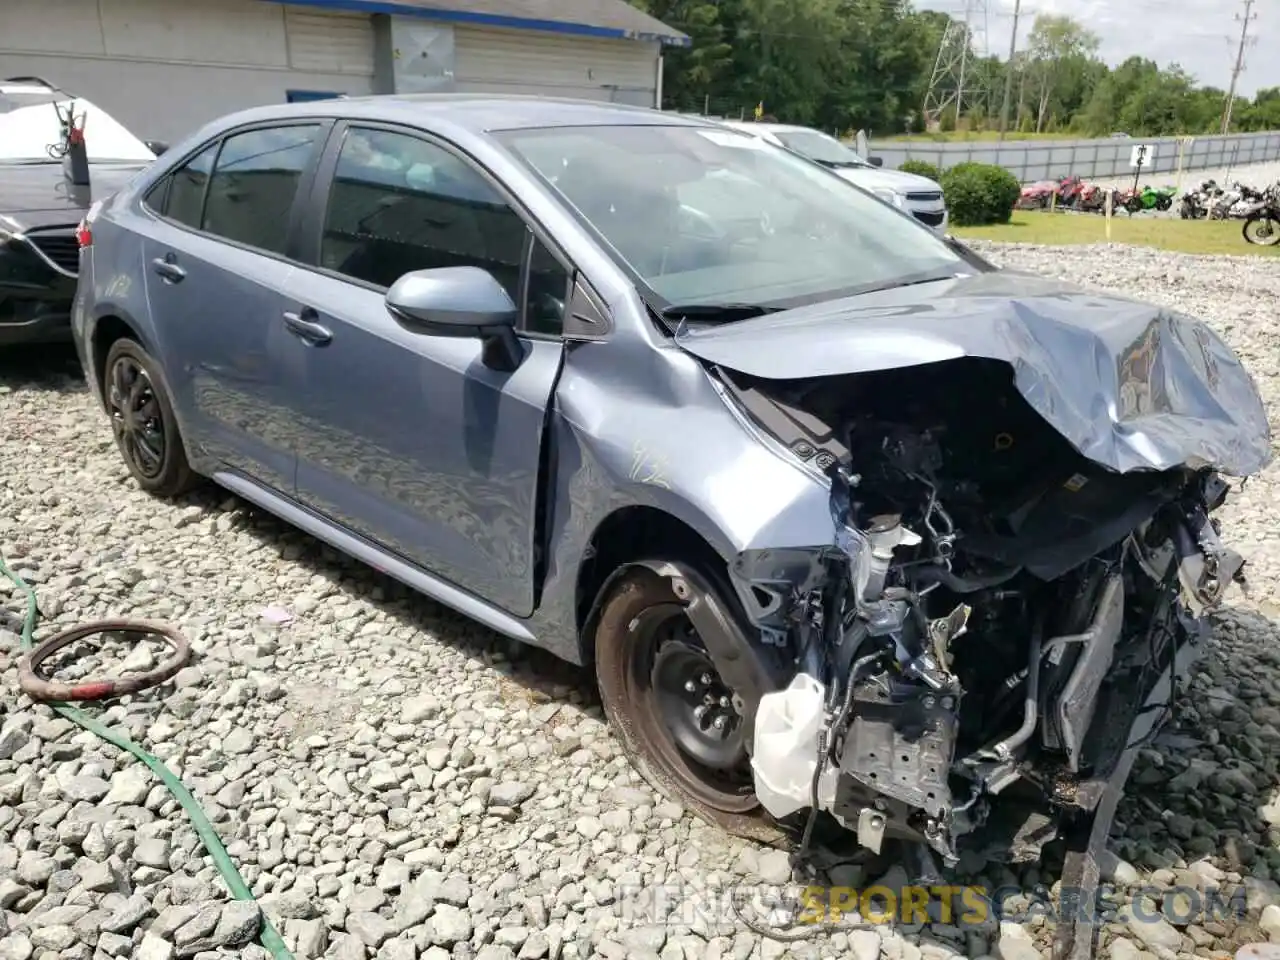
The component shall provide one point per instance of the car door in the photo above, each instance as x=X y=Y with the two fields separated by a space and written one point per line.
x=216 y=267
x=407 y=438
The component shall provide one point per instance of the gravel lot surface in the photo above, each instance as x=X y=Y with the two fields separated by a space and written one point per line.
x=396 y=782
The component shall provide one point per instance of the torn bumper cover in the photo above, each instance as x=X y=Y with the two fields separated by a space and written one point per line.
x=1021 y=482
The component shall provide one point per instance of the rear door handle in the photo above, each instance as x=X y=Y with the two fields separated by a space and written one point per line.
x=170 y=271
x=304 y=326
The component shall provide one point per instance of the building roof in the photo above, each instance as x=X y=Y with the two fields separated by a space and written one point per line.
x=614 y=19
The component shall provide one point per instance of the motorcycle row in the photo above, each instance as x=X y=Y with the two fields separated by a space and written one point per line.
x=1259 y=209
x=1073 y=193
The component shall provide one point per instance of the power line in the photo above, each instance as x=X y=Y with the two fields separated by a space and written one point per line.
x=1239 y=66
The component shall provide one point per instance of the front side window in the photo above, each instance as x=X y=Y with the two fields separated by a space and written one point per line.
x=254 y=183
x=399 y=204
x=548 y=290
x=709 y=216
x=31 y=131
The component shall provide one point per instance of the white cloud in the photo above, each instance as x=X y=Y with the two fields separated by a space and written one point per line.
x=1201 y=35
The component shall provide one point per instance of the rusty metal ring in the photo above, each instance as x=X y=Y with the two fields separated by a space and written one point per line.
x=41 y=689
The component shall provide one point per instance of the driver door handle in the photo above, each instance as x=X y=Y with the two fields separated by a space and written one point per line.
x=303 y=325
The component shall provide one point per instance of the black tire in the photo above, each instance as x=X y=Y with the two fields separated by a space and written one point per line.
x=1164 y=203
x=143 y=422
x=1266 y=232
x=630 y=670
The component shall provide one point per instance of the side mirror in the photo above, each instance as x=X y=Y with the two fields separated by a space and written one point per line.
x=157 y=146
x=876 y=161
x=459 y=302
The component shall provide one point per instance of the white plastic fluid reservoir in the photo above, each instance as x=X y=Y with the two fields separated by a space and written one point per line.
x=785 y=751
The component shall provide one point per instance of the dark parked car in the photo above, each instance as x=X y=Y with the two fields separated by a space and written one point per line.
x=843 y=518
x=40 y=209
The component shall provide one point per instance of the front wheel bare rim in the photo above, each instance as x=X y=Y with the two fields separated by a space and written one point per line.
x=136 y=417
x=683 y=712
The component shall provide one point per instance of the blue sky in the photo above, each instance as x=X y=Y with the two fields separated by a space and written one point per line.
x=1201 y=35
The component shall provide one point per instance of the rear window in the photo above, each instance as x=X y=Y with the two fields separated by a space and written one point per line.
x=31 y=130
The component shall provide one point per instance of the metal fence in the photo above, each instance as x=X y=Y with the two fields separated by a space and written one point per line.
x=1031 y=160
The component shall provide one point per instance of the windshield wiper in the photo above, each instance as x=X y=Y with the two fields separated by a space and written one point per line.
x=722 y=312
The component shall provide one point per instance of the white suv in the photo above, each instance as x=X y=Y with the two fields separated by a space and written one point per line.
x=918 y=196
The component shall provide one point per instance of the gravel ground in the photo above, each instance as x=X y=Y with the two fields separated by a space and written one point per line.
x=396 y=782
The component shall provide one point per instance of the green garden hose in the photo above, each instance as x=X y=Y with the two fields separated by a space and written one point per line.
x=268 y=936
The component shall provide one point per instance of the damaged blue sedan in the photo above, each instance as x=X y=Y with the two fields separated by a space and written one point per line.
x=846 y=521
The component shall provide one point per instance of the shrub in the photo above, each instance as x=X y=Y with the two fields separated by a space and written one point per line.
x=922 y=168
x=979 y=193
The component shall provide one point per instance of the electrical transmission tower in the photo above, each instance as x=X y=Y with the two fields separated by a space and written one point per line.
x=1239 y=65
x=957 y=83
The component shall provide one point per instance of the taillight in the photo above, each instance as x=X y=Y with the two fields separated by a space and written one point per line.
x=84 y=236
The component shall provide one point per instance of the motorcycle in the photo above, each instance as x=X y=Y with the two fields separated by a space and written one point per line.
x=1148 y=198
x=1194 y=204
x=1069 y=191
x=1158 y=198
x=1262 y=223
x=1093 y=198
x=1129 y=200
x=1035 y=196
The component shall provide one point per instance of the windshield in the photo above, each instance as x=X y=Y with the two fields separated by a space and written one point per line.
x=27 y=131
x=820 y=147
x=711 y=216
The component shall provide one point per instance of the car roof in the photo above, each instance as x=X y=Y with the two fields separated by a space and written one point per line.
x=477 y=113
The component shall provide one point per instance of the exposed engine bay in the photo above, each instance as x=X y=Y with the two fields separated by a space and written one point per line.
x=974 y=652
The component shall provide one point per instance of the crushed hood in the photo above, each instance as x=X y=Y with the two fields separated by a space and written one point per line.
x=1131 y=385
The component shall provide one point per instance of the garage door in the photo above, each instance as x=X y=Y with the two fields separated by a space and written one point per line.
x=164 y=67
x=493 y=60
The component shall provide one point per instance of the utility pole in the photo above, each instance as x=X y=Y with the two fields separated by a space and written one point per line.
x=1235 y=71
x=1008 y=69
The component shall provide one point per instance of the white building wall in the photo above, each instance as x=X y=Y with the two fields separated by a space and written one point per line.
x=164 y=67
x=497 y=60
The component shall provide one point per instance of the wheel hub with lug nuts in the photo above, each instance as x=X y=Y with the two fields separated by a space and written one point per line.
x=697 y=707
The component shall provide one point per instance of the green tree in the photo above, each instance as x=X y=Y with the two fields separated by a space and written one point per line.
x=1061 y=50
x=692 y=74
x=866 y=64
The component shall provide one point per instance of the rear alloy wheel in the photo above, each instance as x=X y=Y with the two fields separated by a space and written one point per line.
x=142 y=420
x=668 y=704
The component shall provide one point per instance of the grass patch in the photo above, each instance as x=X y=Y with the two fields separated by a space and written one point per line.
x=1214 y=237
